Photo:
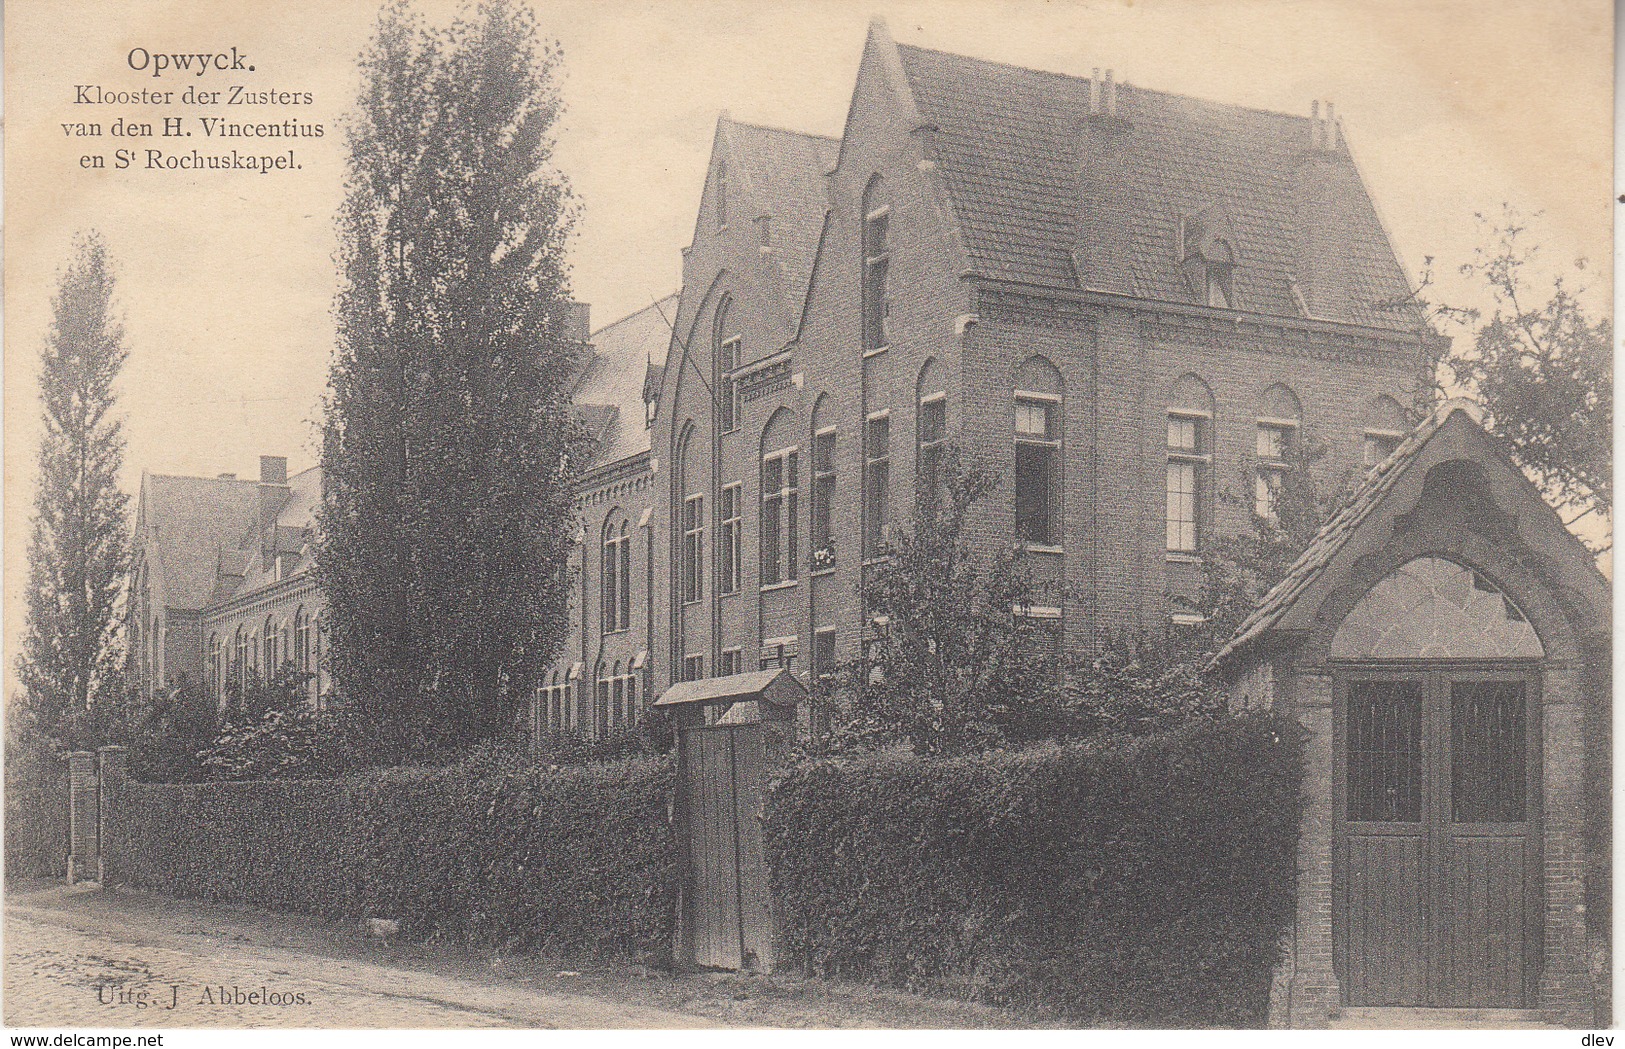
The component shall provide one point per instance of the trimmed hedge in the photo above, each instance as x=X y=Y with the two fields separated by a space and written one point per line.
x=1121 y=881
x=36 y=814
x=564 y=860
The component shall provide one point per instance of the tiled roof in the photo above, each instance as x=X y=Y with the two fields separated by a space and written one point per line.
x=190 y=520
x=295 y=521
x=1337 y=530
x=1034 y=181
x=608 y=390
x=785 y=172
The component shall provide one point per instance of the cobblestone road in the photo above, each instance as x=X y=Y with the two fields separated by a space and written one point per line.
x=68 y=970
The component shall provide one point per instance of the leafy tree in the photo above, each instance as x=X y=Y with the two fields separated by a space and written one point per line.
x=952 y=670
x=1238 y=569
x=77 y=550
x=1543 y=367
x=449 y=450
x=271 y=730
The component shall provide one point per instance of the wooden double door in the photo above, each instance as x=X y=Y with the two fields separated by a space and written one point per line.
x=1437 y=861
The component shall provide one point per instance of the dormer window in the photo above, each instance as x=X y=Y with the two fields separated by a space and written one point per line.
x=1208 y=256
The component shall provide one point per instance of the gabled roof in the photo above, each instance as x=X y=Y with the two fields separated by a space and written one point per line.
x=1341 y=527
x=295 y=532
x=188 y=520
x=785 y=174
x=609 y=386
x=1038 y=186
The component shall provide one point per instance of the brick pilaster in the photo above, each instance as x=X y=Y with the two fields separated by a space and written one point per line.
x=1313 y=993
x=1567 y=996
x=82 y=815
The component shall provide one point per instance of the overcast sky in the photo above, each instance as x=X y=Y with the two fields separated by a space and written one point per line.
x=226 y=279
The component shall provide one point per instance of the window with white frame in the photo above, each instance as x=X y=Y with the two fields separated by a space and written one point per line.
x=693 y=568
x=729 y=565
x=1385 y=425
x=694 y=667
x=726 y=350
x=1187 y=462
x=778 y=652
x=876 y=480
x=1037 y=452
x=780 y=484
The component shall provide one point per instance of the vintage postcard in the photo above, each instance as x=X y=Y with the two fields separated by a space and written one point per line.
x=900 y=514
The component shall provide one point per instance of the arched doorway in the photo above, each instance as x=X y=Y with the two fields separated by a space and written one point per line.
x=1436 y=793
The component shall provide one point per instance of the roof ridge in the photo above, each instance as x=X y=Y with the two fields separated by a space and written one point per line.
x=635 y=313
x=783 y=130
x=1121 y=84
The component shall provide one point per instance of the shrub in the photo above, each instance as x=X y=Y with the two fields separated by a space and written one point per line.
x=562 y=860
x=36 y=809
x=1126 y=881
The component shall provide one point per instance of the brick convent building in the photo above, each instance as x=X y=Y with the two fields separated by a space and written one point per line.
x=1129 y=304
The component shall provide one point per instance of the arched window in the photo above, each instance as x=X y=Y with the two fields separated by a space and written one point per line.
x=615 y=577
x=617 y=712
x=600 y=708
x=270 y=639
x=244 y=655
x=822 y=539
x=876 y=263
x=631 y=697
x=930 y=429
x=1432 y=608
x=1039 y=394
x=1190 y=461
x=1385 y=426
x=691 y=568
x=216 y=677
x=780 y=494
x=726 y=355
x=1278 y=423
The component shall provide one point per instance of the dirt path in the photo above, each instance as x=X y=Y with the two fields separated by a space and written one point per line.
x=84 y=957
x=59 y=972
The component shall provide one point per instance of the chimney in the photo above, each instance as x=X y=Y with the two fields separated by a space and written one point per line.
x=578 y=325
x=272 y=494
x=273 y=469
x=1325 y=195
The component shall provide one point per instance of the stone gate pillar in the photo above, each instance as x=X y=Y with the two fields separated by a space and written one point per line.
x=110 y=762
x=82 y=816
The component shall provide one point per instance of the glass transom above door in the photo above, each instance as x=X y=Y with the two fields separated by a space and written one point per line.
x=1433 y=608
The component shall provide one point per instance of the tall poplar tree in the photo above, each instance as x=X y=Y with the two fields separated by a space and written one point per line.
x=78 y=547
x=448 y=443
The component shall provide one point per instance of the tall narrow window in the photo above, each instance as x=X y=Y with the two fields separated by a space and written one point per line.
x=824 y=658
x=726 y=347
x=876 y=471
x=1186 y=459
x=600 y=707
x=617 y=698
x=693 y=668
x=608 y=580
x=693 y=548
x=876 y=263
x=729 y=576
x=779 y=492
x=823 y=534
x=1276 y=443
x=1037 y=445
x=931 y=436
x=245 y=649
x=271 y=661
